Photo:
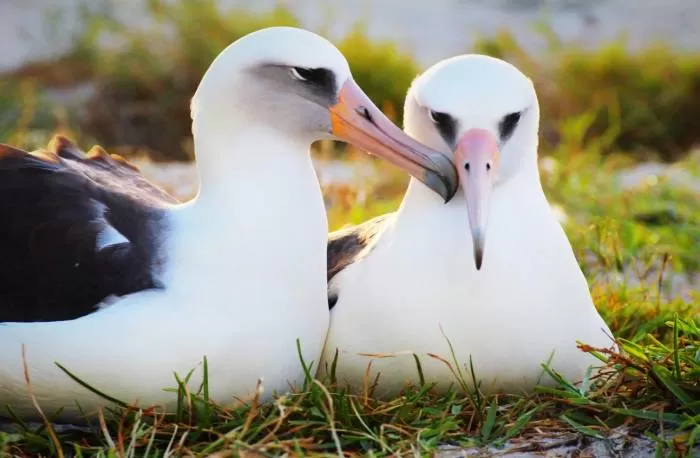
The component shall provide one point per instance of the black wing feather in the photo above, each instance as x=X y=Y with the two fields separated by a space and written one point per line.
x=54 y=204
x=348 y=245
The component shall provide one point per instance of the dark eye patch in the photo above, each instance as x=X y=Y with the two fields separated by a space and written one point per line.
x=508 y=124
x=445 y=124
x=320 y=77
x=317 y=85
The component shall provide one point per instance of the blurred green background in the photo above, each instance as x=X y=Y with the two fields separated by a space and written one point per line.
x=620 y=108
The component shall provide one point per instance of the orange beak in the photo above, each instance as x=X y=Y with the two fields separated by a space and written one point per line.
x=477 y=158
x=356 y=120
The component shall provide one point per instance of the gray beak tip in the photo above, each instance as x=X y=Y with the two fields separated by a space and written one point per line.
x=442 y=184
x=478 y=241
x=478 y=258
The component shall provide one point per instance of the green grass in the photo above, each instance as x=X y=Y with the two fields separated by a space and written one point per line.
x=642 y=103
x=652 y=386
x=593 y=128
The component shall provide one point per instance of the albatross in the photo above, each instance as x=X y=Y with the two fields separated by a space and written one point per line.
x=105 y=275
x=491 y=273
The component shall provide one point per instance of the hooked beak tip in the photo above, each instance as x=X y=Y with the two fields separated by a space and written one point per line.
x=356 y=119
x=478 y=249
x=445 y=184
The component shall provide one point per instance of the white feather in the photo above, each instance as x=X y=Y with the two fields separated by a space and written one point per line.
x=108 y=236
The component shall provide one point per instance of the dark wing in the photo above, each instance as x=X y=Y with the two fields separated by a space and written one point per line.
x=110 y=171
x=74 y=230
x=348 y=245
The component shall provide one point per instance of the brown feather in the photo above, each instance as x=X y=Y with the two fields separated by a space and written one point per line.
x=348 y=245
x=55 y=203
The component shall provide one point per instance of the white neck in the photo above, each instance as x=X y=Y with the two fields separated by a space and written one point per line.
x=259 y=209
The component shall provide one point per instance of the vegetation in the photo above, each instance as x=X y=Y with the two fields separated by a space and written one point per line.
x=603 y=111
x=643 y=103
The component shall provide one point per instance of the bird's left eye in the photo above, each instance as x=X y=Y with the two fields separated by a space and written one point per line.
x=311 y=75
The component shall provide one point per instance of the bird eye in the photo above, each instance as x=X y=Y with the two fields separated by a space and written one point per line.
x=445 y=124
x=300 y=73
x=319 y=76
x=439 y=118
x=508 y=124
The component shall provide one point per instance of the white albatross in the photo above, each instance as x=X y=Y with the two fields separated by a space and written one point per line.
x=236 y=275
x=509 y=294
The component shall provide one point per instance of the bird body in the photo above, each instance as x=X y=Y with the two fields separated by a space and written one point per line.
x=488 y=281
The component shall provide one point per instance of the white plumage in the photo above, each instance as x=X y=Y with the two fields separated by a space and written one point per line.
x=418 y=285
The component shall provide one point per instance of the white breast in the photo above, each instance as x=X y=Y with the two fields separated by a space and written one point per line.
x=528 y=300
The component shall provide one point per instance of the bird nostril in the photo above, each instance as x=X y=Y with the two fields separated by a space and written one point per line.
x=488 y=166
x=466 y=166
x=364 y=112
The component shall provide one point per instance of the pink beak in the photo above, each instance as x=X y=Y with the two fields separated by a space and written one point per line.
x=477 y=157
